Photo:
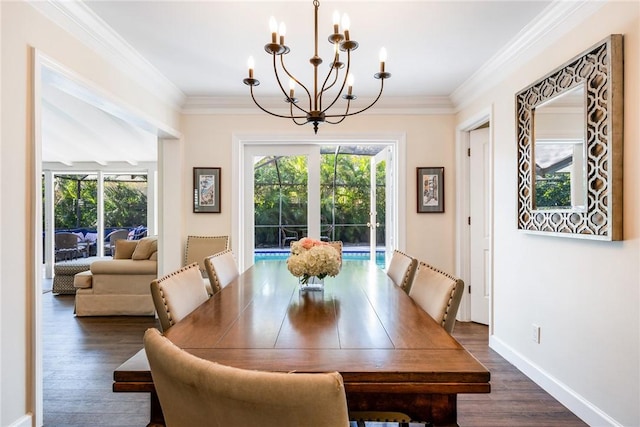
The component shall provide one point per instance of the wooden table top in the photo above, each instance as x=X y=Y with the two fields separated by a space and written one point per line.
x=361 y=325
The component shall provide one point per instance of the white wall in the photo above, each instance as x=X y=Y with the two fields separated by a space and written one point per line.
x=22 y=28
x=430 y=141
x=583 y=294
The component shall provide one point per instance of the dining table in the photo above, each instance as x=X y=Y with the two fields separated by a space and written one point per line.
x=391 y=354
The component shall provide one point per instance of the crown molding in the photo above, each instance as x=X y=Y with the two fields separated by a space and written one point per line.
x=79 y=20
x=385 y=106
x=553 y=22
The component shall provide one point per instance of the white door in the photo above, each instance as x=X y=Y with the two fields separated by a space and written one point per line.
x=480 y=228
x=378 y=210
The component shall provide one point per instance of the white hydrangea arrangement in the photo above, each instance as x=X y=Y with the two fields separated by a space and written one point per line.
x=310 y=257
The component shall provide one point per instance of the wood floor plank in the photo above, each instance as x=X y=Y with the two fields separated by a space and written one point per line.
x=80 y=354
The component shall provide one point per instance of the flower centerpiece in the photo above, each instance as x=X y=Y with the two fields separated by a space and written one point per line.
x=311 y=258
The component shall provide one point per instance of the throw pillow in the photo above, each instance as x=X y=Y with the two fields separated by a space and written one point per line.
x=125 y=248
x=146 y=246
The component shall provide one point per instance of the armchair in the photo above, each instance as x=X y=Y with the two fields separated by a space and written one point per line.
x=287 y=236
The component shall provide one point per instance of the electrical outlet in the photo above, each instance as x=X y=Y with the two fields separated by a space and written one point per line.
x=535 y=333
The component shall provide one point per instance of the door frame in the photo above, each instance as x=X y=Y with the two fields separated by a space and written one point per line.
x=240 y=143
x=463 y=237
x=382 y=156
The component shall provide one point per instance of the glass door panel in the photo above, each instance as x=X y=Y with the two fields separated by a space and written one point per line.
x=280 y=200
x=380 y=242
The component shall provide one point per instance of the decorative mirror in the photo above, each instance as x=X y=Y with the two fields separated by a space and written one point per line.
x=569 y=134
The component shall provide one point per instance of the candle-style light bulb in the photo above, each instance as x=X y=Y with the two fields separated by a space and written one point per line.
x=292 y=88
x=273 y=27
x=383 y=59
x=346 y=24
x=350 y=83
x=336 y=22
x=282 y=31
x=251 y=64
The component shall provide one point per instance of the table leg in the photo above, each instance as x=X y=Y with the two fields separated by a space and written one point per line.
x=156 y=417
x=439 y=409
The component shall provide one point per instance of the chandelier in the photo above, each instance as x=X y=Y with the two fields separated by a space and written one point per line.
x=317 y=109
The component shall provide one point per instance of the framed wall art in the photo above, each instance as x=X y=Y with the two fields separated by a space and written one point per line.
x=430 y=190
x=206 y=190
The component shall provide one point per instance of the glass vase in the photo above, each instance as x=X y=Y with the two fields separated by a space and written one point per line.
x=312 y=283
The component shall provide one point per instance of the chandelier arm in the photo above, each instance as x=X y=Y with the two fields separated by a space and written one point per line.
x=342 y=116
x=336 y=122
x=269 y=112
x=293 y=118
x=325 y=88
x=295 y=80
x=335 y=79
x=275 y=71
x=364 y=109
x=344 y=82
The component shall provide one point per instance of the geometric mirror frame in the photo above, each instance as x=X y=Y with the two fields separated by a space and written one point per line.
x=590 y=170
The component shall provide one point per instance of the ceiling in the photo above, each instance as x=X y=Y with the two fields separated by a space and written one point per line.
x=203 y=46
x=201 y=49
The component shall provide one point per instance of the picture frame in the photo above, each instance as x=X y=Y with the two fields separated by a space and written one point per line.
x=430 y=189
x=206 y=190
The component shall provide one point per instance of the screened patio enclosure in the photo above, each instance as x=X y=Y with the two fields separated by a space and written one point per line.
x=281 y=202
x=91 y=204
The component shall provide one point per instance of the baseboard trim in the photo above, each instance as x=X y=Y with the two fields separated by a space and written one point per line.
x=23 y=421
x=577 y=404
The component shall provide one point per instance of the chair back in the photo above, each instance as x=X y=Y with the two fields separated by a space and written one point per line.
x=438 y=293
x=66 y=245
x=178 y=294
x=110 y=239
x=401 y=269
x=199 y=247
x=198 y=392
x=287 y=236
x=221 y=269
x=337 y=244
x=65 y=240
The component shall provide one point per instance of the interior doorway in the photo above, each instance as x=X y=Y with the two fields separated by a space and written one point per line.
x=90 y=97
x=474 y=217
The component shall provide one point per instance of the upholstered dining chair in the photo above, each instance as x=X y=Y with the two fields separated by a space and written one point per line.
x=198 y=392
x=401 y=269
x=438 y=293
x=199 y=247
x=337 y=244
x=221 y=269
x=178 y=294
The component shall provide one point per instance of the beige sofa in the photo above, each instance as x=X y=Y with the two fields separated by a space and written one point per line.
x=119 y=286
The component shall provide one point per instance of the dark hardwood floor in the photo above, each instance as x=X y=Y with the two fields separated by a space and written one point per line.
x=80 y=354
x=79 y=357
x=515 y=400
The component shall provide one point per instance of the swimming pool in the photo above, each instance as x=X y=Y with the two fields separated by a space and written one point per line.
x=347 y=255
